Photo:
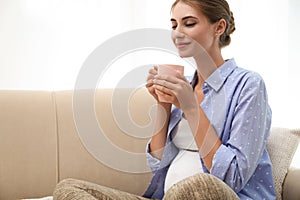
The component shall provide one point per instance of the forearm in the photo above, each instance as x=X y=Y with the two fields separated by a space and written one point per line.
x=205 y=136
x=158 y=139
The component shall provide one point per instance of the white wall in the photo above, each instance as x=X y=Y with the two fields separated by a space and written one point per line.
x=43 y=43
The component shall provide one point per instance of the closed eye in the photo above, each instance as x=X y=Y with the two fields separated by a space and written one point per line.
x=190 y=25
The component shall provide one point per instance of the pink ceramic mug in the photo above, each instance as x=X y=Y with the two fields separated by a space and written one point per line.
x=170 y=70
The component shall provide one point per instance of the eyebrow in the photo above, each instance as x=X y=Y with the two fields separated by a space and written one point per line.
x=184 y=18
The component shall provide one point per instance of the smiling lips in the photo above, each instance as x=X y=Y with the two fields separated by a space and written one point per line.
x=181 y=45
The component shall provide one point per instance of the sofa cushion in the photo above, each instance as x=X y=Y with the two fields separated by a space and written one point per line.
x=28 y=144
x=281 y=145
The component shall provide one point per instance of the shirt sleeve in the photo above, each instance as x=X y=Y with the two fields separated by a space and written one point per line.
x=153 y=162
x=236 y=160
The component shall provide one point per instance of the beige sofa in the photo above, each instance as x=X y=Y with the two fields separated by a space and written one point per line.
x=40 y=144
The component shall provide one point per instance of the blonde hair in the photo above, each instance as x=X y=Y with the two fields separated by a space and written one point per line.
x=214 y=10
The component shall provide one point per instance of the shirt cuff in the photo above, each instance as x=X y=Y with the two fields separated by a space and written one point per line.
x=153 y=162
x=221 y=162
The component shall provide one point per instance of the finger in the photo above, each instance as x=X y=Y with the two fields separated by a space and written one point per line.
x=180 y=76
x=150 y=77
x=153 y=70
x=171 y=79
x=151 y=74
x=163 y=89
x=149 y=83
x=170 y=98
x=164 y=83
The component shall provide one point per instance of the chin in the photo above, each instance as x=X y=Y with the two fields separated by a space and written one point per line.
x=185 y=54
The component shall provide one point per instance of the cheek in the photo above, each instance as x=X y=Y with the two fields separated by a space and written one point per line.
x=205 y=40
x=173 y=36
x=201 y=35
x=196 y=37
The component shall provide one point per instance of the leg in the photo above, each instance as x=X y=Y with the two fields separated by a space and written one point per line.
x=76 y=189
x=202 y=187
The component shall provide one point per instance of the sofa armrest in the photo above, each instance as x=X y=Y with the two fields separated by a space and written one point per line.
x=291 y=184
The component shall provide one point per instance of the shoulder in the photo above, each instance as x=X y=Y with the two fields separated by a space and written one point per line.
x=236 y=76
x=247 y=74
x=247 y=77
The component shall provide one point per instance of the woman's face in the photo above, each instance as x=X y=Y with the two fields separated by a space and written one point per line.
x=192 y=31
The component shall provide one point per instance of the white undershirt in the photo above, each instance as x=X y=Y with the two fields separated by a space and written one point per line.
x=186 y=163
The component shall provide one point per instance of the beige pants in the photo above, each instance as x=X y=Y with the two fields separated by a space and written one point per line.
x=200 y=186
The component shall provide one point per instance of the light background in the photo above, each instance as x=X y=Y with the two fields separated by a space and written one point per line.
x=43 y=43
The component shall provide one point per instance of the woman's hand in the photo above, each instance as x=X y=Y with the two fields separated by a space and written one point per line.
x=176 y=90
x=150 y=82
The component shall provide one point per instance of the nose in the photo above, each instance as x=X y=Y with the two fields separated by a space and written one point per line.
x=176 y=34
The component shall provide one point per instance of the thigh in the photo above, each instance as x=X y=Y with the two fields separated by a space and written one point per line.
x=200 y=186
x=77 y=189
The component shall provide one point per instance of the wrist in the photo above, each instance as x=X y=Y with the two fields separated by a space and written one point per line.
x=166 y=106
x=192 y=110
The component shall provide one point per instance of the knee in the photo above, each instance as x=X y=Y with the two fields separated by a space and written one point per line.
x=64 y=187
x=200 y=186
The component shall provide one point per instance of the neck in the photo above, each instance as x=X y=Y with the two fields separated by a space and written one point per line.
x=207 y=64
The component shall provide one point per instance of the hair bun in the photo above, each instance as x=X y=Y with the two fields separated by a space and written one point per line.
x=231 y=24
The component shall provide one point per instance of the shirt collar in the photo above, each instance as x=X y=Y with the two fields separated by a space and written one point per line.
x=218 y=77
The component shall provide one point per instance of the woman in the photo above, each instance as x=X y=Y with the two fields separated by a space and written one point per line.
x=210 y=135
x=225 y=107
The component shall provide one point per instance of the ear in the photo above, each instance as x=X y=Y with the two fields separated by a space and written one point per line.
x=220 y=27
